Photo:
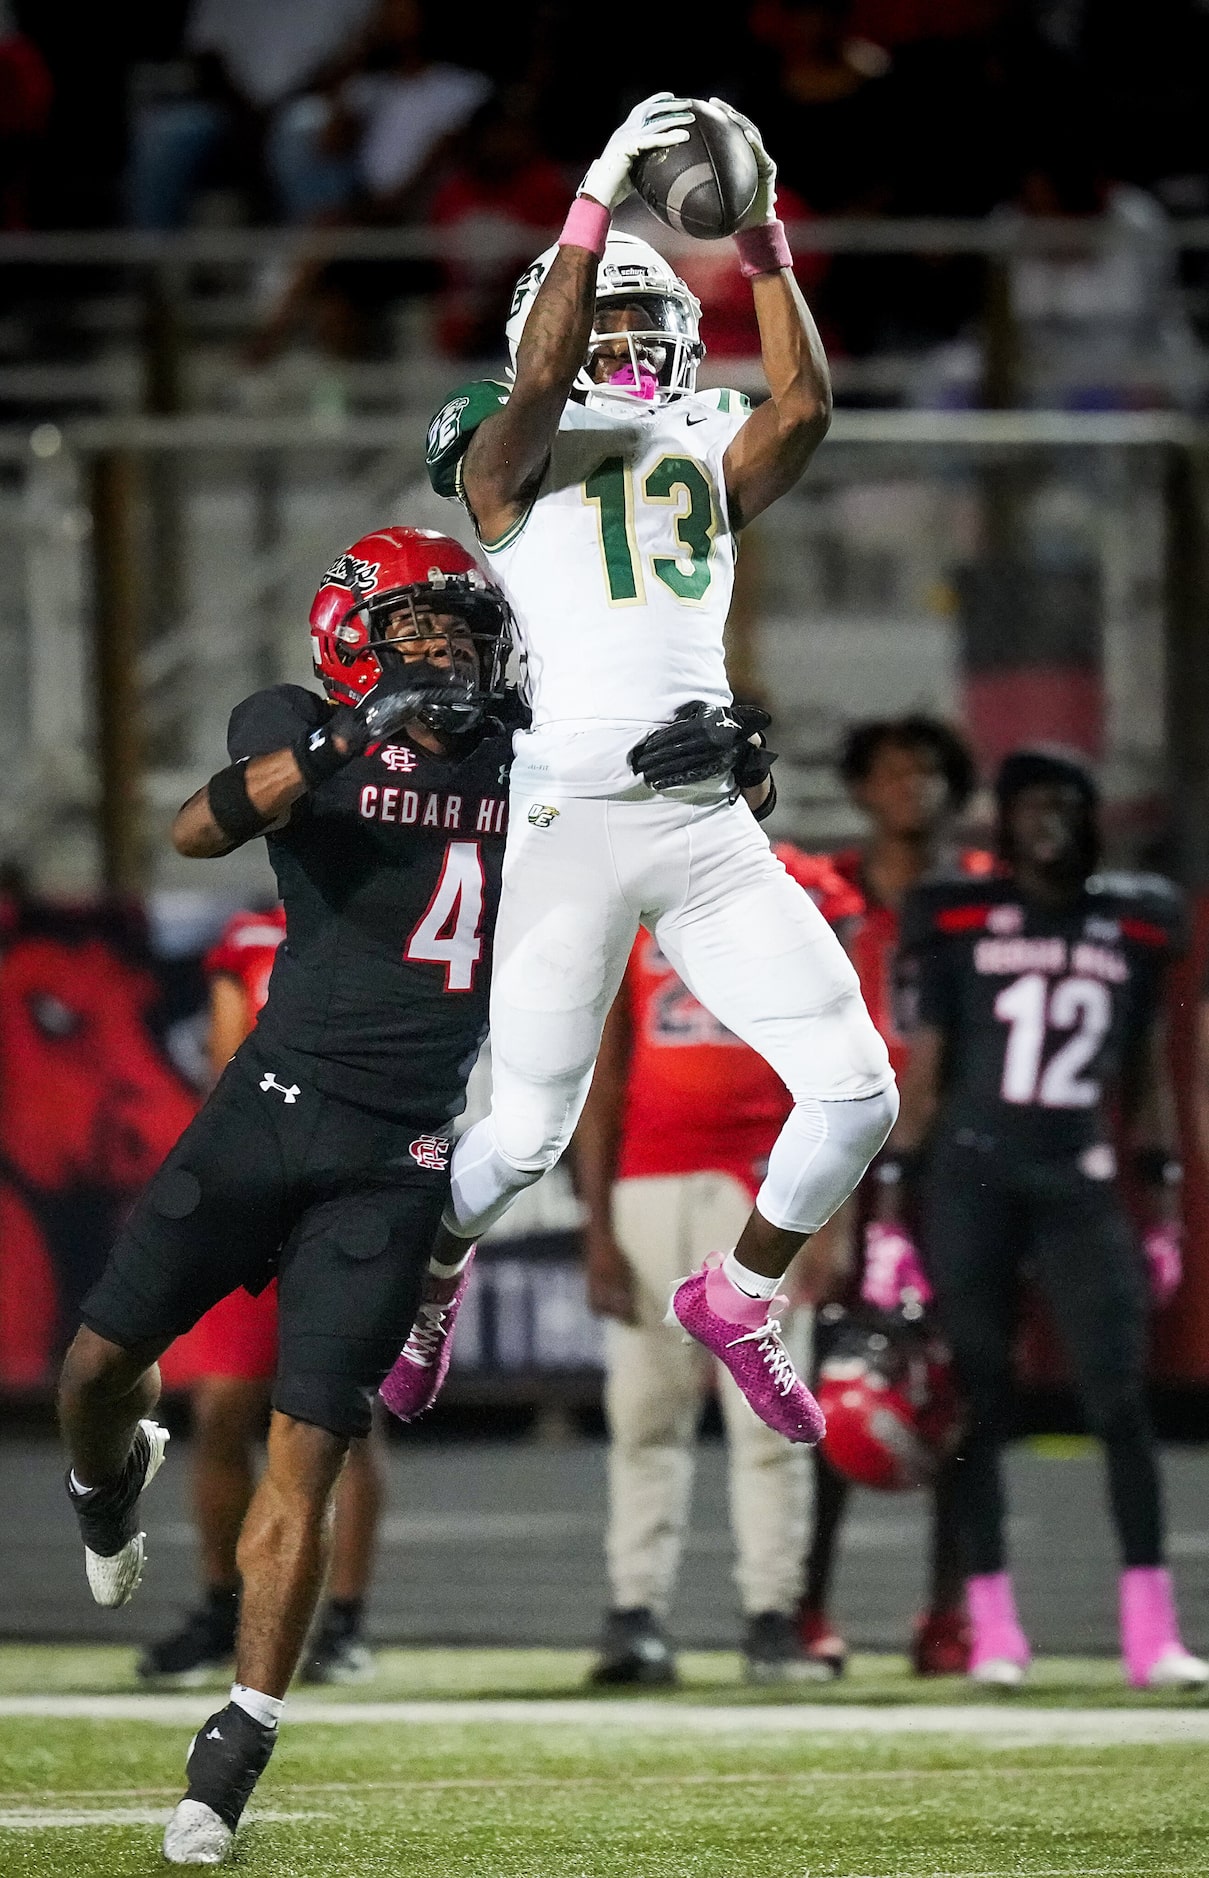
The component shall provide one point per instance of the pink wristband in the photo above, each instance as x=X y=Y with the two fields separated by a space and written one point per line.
x=763 y=249
x=586 y=226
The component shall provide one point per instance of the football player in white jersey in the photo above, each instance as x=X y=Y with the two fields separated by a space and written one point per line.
x=609 y=494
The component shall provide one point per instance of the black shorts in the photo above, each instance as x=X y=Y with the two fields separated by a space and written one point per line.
x=275 y=1179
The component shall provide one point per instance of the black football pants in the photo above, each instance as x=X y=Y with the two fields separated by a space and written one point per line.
x=987 y=1218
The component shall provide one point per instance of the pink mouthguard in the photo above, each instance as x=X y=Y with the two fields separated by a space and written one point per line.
x=644 y=386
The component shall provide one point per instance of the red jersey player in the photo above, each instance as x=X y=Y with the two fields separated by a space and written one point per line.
x=911 y=776
x=229 y=1358
x=670 y=1151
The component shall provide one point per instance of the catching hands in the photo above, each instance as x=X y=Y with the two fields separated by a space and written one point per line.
x=893 y=1274
x=658 y=121
x=1164 y=1259
x=706 y=740
x=764 y=205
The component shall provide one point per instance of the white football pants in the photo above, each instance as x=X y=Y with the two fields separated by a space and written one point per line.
x=580 y=875
x=655 y=1381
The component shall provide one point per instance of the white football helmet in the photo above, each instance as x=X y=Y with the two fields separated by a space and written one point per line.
x=630 y=273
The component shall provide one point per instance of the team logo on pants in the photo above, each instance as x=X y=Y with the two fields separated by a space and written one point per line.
x=430 y=1151
x=540 y=816
x=269 y=1081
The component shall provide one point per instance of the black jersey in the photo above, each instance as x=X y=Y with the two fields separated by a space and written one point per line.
x=390 y=877
x=1040 y=1008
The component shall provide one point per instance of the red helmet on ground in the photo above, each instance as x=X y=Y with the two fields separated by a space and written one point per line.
x=890 y=1400
x=407 y=583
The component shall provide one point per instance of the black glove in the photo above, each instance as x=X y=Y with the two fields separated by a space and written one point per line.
x=705 y=740
x=376 y=717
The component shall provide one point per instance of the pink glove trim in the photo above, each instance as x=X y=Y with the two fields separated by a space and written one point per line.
x=763 y=249
x=586 y=226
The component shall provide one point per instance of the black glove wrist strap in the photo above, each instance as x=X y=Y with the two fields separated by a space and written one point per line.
x=317 y=754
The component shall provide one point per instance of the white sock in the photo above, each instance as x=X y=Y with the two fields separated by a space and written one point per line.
x=266 y=1709
x=437 y=1270
x=751 y=1284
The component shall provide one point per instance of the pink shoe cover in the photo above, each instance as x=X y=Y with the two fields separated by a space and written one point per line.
x=995 y=1633
x=743 y=1333
x=1149 y=1626
x=423 y=1363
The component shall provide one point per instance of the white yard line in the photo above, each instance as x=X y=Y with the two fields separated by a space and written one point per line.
x=1003 y=1723
x=42 y=1818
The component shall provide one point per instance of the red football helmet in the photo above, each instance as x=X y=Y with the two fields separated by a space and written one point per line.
x=424 y=578
x=890 y=1400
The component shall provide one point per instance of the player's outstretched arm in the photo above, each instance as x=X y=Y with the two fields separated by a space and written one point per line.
x=774 y=446
x=508 y=452
x=507 y=455
x=255 y=794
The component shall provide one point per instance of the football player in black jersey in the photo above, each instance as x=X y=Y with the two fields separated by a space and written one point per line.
x=322 y=1154
x=1037 y=1017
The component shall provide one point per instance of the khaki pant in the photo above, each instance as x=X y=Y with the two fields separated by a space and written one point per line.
x=655 y=1381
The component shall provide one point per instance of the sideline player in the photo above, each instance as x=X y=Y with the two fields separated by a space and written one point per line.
x=232 y=1354
x=322 y=1155
x=609 y=496
x=669 y=1153
x=911 y=776
x=1038 y=1005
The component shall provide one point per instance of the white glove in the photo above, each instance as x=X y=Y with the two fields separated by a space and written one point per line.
x=764 y=206
x=652 y=125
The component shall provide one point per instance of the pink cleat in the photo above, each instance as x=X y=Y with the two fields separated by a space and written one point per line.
x=743 y=1333
x=423 y=1363
x=1155 y=1658
x=999 y=1652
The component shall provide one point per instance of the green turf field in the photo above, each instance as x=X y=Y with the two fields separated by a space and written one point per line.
x=878 y=1777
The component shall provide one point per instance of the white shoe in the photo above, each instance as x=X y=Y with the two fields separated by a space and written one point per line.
x=114 y=1572
x=997 y=1672
x=195 y=1835
x=1178 y=1669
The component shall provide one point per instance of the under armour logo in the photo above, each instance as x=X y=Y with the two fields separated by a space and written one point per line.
x=430 y=1151
x=212 y=1734
x=269 y=1081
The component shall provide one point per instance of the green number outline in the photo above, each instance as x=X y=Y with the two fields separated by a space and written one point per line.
x=694 y=532
x=609 y=488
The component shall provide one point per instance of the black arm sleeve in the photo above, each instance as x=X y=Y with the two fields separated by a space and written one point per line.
x=273 y=719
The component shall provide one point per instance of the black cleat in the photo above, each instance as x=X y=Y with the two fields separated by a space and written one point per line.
x=773 y=1651
x=114 y=1548
x=204 y=1645
x=227 y=1756
x=337 y=1653
x=633 y=1650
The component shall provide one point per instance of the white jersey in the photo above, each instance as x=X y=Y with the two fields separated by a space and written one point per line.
x=620 y=576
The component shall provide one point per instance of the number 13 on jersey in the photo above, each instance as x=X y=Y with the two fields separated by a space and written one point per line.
x=676 y=482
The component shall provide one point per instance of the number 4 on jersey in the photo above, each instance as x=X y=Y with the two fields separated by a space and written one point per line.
x=448 y=933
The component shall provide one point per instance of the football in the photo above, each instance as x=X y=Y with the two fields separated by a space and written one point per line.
x=703 y=187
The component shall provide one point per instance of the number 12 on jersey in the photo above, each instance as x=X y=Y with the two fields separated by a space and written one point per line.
x=448 y=931
x=677 y=481
x=1030 y=1008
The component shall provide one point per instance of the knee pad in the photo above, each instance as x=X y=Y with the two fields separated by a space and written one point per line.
x=820 y=1156
x=531 y=1123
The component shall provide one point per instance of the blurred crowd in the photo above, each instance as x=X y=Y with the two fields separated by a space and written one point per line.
x=478 y=121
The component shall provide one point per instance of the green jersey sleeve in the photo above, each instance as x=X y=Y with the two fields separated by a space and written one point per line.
x=454 y=425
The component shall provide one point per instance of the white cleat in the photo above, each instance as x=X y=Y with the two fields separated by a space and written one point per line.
x=195 y=1835
x=1178 y=1669
x=997 y=1672
x=114 y=1577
